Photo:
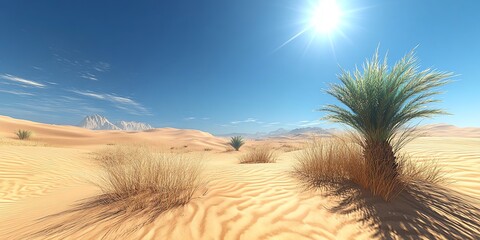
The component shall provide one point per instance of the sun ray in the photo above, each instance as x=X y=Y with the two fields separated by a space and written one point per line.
x=291 y=39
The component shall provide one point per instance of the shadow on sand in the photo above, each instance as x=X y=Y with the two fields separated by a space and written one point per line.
x=105 y=218
x=422 y=211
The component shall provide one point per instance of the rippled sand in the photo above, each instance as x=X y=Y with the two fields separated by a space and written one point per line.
x=43 y=180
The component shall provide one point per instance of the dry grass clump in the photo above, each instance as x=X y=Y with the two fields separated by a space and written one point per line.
x=330 y=162
x=259 y=155
x=139 y=178
x=23 y=134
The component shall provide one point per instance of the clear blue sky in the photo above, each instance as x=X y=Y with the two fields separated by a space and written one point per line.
x=218 y=65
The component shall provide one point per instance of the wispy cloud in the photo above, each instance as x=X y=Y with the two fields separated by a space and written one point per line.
x=205 y=118
x=22 y=81
x=248 y=120
x=123 y=103
x=102 y=67
x=189 y=118
x=37 y=68
x=270 y=124
x=59 y=105
x=91 y=94
x=17 y=92
x=89 y=76
x=85 y=68
x=308 y=123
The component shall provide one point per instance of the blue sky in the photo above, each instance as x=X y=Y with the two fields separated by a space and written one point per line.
x=219 y=66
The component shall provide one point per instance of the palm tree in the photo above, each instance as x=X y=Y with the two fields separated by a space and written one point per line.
x=236 y=142
x=381 y=101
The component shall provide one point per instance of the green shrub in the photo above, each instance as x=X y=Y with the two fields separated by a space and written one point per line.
x=379 y=102
x=236 y=142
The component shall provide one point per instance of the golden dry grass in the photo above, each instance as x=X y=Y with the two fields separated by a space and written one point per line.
x=259 y=155
x=328 y=162
x=140 y=177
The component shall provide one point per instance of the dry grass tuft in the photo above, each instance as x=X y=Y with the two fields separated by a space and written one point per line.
x=138 y=184
x=23 y=134
x=138 y=178
x=259 y=155
x=330 y=162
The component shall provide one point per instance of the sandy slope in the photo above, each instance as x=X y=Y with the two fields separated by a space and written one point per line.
x=41 y=182
x=70 y=136
x=446 y=130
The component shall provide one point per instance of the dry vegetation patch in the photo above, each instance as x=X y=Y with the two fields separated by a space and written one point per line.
x=138 y=184
x=23 y=134
x=331 y=162
x=139 y=177
x=259 y=155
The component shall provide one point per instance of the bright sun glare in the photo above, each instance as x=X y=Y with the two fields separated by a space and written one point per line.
x=323 y=18
x=326 y=16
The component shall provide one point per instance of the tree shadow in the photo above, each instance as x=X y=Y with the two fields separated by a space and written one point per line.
x=422 y=211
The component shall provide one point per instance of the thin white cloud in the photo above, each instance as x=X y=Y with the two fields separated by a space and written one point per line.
x=270 y=124
x=89 y=76
x=248 y=120
x=102 y=67
x=189 y=118
x=17 y=92
x=22 y=81
x=70 y=99
x=37 y=68
x=205 y=118
x=308 y=123
x=86 y=69
x=123 y=103
x=90 y=94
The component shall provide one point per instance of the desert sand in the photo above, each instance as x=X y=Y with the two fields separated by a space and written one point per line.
x=42 y=180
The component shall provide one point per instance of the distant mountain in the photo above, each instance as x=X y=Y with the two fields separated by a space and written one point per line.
x=98 y=122
x=133 y=126
x=281 y=132
x=309 y=130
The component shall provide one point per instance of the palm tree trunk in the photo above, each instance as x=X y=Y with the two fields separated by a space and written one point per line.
x=381 y=158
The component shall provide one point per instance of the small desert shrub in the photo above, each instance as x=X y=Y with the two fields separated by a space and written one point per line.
x=141 y=178
x=331 y=162
x=381 y=101
x=259 y=155
x=236 y=142
x=23 y=134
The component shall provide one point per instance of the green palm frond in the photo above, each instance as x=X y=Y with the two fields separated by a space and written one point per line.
x=236 y=142
x=380 y=101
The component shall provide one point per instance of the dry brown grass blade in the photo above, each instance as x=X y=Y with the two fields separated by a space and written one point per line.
x=138 y=185
x=332 y=161
x=259 y=155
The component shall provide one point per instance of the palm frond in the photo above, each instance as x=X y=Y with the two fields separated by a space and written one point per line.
x=380 y=101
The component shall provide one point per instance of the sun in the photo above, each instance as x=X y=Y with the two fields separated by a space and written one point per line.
x=324 y=20
x=326 y=16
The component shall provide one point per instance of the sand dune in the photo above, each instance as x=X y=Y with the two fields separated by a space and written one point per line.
x=446 y=130
x=42 y=185
x=70 y=136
